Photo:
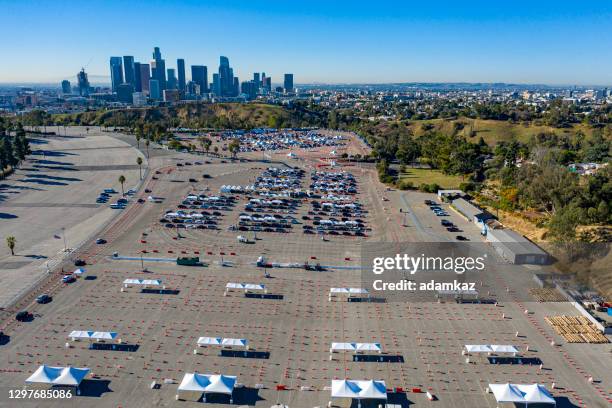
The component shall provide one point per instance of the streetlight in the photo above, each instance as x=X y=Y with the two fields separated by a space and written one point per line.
x=64 y=236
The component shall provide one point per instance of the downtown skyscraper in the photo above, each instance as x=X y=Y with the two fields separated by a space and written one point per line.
x=128 y=70
x=158 y=69
x=227 y=85
x=116 y=73
x=199 y=76
x=180 y=67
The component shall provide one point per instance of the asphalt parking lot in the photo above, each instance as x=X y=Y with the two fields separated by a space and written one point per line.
x=290 y=333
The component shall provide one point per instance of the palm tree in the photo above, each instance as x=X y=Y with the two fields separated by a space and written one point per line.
x=122 y=180
x=205 y=143
x=139 y=163
x=10 y=242
x=234 y=147
x=147 y=143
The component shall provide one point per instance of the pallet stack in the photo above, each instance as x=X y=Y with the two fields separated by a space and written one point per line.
x=576 y=329
x=547 y=295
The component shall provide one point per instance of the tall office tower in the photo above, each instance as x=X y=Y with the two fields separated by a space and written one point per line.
x=128 y=69
x=288 y=84
x=145 y=77
x=180 y=67
x=256 y=79
x=66 y=87
x=226 y=78
x=172 y=81
x=250 y=88
x=158 y=69
x=154 y=91
x=199 y=75
x=268 y=84
x=137 y=80
x=116 y=71
x=216 y=85
x=236 y=87
x=83 y=83
x=124 y=93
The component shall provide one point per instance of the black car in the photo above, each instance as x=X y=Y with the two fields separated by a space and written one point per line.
x=446 y=223
x=206 y=176
x=44 y=298
x=23 y=316
x=461 y=238
x=192 y=180
x=79 y=262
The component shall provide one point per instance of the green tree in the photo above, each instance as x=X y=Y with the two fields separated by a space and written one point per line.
x=122 y=181
x=139 y=163
x=205 y=143
x=234 y=147
x=11 y=242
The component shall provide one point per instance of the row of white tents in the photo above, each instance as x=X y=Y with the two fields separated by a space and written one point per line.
x=195 y=384
x=92 y=335
x=490 y=348
x=61 y=376
x=522 y=393
x=356 y=347
x=348 y=292
x=222 y=341
x=143 y=282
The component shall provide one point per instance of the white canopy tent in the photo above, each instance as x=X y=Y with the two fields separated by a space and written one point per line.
x=220 y=341
x=359 y=389
x=65 y=376
x=536 y=394
x=349 y=292
x=491 y=348
x=142 y=282
x=92 y=335
x=356 y=347
x=208 y=384
x=504 y=348
x=245 y=287
x=80 y=334
x=506 y=393
x=79 y=271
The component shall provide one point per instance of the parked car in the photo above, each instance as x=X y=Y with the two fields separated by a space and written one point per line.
x=192 y=180
x=79 y=262
x=23 y=316
x=44 y=298
x=461 y=238
x=100 y=241
x=68 y=279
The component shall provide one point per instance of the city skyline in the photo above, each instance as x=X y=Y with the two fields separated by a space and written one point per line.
x=334 y=44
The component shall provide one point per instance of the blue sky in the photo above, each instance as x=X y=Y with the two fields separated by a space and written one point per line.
x=555 y=42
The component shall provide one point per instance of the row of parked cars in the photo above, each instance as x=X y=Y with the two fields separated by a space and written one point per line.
x=440 y=212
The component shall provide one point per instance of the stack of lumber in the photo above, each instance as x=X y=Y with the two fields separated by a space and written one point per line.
x=576 y=329
x=547 y=295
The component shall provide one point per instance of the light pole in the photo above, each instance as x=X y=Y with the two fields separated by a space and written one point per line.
x=64 y=236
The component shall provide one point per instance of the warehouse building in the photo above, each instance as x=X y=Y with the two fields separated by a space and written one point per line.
x=515 y=248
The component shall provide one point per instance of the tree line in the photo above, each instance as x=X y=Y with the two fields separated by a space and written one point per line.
x=14 y=146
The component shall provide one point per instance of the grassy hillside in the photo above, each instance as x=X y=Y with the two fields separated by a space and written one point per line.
x=201 y=115
x=493 y=131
